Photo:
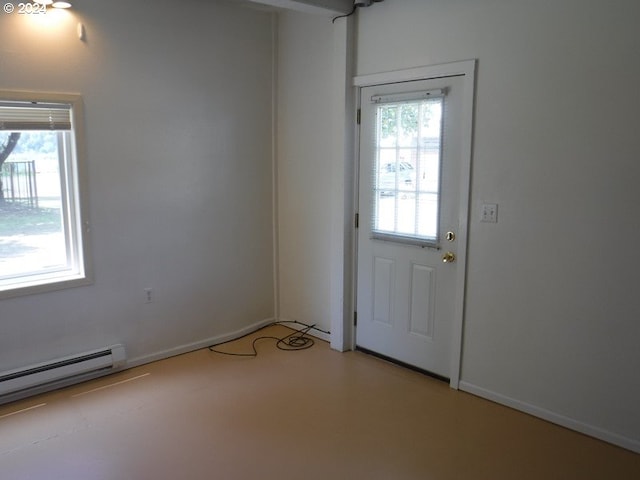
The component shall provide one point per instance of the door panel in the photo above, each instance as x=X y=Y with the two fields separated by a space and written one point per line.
x=409 y=191
x=383 y=281
x=422 y=301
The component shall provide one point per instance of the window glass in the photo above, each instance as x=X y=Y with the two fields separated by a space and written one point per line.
x=41 y=241
x=407 y=173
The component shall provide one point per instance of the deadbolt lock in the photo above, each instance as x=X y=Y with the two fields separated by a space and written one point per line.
x=448 y=257
x=450 y=236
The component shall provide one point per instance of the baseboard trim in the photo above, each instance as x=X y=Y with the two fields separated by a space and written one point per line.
x=548 y=415
x=190 y=347
x=297 y=325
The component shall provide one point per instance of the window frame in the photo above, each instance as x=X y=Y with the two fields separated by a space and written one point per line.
x=76 y=199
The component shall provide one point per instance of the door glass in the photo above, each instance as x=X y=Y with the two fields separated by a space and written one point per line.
x=406 y=181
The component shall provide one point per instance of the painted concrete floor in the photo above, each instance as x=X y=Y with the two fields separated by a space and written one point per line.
x=311 y=414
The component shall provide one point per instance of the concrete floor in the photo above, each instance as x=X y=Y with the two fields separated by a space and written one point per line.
x=312 y=414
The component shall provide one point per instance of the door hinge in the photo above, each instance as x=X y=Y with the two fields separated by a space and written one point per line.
x=358 y=116
x=357 y=220
x=355 y=319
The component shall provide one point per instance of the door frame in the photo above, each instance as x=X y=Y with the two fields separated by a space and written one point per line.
x=467 y=69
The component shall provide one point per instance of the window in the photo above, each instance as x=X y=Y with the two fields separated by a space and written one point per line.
x=42 y=246
x=406 y=181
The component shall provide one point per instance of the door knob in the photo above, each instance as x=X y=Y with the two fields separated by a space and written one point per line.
x=448 y=257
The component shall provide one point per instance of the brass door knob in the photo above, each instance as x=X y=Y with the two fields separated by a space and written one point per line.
x=448 y=257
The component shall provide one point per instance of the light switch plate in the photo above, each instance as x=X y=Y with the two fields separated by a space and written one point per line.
x=489 y=213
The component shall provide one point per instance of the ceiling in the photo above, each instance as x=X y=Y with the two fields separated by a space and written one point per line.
x=333 y=7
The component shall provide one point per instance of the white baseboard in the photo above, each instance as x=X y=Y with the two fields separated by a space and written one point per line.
x=564 y=421
x=190 y=347
x=137 y=361
x=296 y=325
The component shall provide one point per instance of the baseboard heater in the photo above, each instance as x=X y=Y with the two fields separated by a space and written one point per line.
x=22 y=382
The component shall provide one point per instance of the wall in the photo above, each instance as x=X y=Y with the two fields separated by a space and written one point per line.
x=304 y=167
x=552 y=310
x=178 y=121
x=551 y=324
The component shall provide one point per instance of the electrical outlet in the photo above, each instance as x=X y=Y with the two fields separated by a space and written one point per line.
x=489 y=213
x=148 y=295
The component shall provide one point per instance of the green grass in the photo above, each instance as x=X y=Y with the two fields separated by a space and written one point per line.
x=19 y=219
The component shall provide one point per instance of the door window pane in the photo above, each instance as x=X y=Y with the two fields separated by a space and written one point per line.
x=406 y=179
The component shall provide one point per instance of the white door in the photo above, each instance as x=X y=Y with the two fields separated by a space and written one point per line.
x=409 y=219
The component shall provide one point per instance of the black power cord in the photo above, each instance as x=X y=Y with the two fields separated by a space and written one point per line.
x=355 y=7
x=292 y=342
x=356 y=4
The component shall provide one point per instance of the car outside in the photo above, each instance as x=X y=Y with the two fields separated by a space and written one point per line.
x=387 y=177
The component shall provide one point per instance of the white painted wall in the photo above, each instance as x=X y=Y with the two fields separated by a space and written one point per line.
x=305 y=149
x=181 y=205
x=552 y=310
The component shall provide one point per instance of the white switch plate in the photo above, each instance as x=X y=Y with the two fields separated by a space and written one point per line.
x=148 y=295
x=489 y=213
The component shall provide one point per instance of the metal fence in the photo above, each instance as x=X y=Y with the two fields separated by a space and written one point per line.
x=18 y=181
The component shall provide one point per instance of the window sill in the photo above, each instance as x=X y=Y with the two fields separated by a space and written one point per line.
x=42 y=285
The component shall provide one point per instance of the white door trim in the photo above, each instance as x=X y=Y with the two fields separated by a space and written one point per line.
x=467 y=69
